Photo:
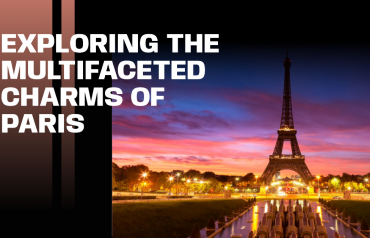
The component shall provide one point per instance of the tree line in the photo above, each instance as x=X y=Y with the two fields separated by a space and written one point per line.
x=353 y=182
x=139 y=178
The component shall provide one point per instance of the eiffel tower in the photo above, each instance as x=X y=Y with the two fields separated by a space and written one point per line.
x=295 y=161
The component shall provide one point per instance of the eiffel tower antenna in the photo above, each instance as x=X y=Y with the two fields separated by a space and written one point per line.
x=286 y=132
x=287 y=112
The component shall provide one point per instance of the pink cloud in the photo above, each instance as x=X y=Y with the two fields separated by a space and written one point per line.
x=332 y=135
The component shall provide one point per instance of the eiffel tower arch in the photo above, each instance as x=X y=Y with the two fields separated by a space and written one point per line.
x=295 y=161
x=297 y=165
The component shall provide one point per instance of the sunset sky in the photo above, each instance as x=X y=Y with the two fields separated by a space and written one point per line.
x=227 y=122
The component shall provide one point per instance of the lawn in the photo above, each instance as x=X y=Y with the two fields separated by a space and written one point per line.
x=359 y=208
x=164 y=218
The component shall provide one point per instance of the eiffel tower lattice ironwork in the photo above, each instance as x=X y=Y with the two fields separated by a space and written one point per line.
x=295 y=161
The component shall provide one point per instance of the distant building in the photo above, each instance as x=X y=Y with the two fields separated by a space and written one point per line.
x=287 y=180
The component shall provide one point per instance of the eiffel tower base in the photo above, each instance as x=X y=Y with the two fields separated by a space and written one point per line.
x=297 y=165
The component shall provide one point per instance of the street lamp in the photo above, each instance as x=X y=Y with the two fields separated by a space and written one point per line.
x=366 y=179
x=177 y=183
x=335 y=187
x=308 y=192
x=171 y=178
x=318 y=185
x=144 y=175
x=188 y=187
x=266 y=190
x=237 y=180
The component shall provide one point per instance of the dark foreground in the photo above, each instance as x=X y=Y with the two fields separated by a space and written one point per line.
x=163 y=219
x=361 y=209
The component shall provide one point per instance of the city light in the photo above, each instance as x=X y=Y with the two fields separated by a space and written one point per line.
x=318 y=185
x=300 y=184
x=349 y=188
x=195 y=179
x=308 y=192
x=226 y=188
x=144 y=175
x=188 y=181
x=178 y=174
x=237 y=179
x=169 y=192
x=266 y=190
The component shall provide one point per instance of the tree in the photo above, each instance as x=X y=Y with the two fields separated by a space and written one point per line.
x=208 y=174
x=231 y=180
x=330 y=176
x=213 y=185
x=118 y=177
x=133 y=175
x=362 y=188
x=346 y=177
x=352 y=185
x=334 y=183
x=162 y=181
x=191 y=174
x=152 y=181
x=114 y=183
x=229 y=187
x=223 y=178
x=250 y=177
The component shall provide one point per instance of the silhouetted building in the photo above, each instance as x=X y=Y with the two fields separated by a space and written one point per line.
x=286 y=132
